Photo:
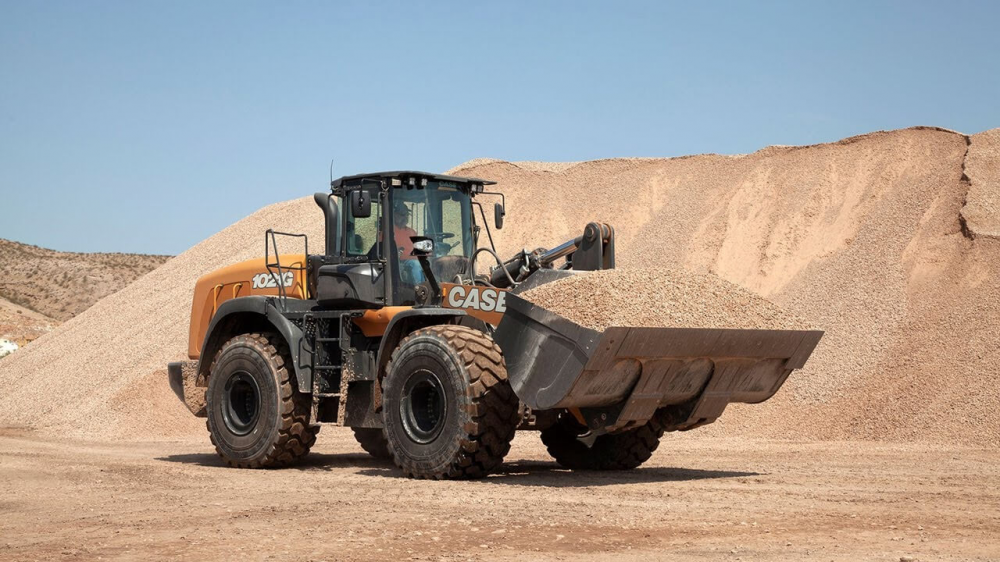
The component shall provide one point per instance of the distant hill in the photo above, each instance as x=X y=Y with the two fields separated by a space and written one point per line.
x=40 y=288
x=22 y=325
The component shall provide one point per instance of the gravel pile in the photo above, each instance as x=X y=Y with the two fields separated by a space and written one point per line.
x=862 y=238
x=655 y=298
x=982 y=211
x=100 y=375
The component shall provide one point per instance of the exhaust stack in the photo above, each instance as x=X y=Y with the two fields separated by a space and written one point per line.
x=325 y=202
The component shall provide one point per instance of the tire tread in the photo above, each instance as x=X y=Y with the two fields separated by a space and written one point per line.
x=619 y=451
x=373 y=441
x=295 y=436
x=492 y=406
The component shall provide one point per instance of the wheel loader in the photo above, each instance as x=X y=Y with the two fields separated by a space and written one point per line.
x=408 y=328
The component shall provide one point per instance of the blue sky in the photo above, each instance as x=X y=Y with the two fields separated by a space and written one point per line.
x=147 y=126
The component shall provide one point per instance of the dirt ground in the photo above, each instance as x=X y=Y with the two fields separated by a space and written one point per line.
x=698 y=499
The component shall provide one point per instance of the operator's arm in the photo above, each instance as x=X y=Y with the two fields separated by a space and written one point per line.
x=403 y=243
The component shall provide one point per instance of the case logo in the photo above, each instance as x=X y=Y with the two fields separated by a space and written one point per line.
x=477 y=298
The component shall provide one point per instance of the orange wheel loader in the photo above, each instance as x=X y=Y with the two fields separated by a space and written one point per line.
x=408 y=328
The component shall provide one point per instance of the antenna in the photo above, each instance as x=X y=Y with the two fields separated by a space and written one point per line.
x=331 y=172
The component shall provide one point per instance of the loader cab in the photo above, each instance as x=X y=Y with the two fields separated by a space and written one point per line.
x=370 y=261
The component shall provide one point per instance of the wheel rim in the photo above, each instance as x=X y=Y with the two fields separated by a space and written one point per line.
x=423 y=407
x=242 y=403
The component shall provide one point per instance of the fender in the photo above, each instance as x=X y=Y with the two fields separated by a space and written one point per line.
x=253 y=313
x=406 y=322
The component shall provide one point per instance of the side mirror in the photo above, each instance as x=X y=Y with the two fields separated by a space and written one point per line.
x=361 y=204
x=422 y=246
x=498 y=213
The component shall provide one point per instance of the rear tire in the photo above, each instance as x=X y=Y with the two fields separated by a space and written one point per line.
x=257 y=418
x=447 y=408
x=618 y=451
x=373 y=441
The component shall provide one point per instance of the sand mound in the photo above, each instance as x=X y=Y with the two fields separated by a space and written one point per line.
x=982 y=211
x=657 y=297
x=861 y=238
x=96 y=375
x=865 y=238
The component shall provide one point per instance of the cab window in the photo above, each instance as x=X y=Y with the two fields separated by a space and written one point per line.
x=362 y=232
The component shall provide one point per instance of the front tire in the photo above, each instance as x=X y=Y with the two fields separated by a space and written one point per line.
x=447 y=408
x=257 y=418
x=567 y=444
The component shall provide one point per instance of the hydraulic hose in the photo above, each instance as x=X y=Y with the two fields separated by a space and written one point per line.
x=500 y=263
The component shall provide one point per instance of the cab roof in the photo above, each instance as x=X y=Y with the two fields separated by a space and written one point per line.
x=404 y=177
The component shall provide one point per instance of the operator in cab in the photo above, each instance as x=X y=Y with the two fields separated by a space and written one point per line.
x=409 y=266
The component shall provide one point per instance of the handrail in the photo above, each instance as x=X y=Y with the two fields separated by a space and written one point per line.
x=270 y=238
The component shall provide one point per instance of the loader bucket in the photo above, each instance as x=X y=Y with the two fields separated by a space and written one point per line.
x=620 y=377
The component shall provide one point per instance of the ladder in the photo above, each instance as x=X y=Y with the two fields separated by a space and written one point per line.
x=327 y=365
